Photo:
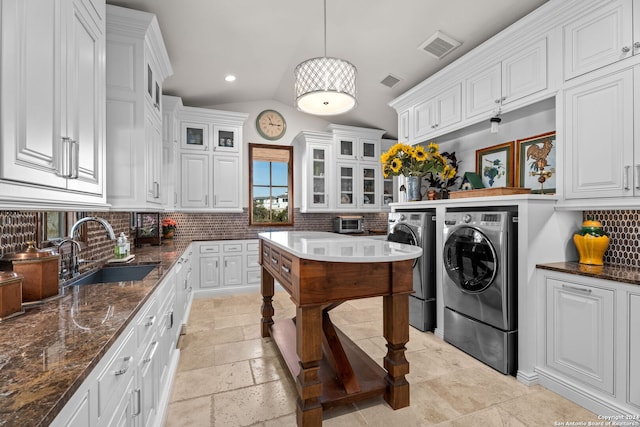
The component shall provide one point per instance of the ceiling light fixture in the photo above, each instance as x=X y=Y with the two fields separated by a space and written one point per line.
x=495 y=120
x=325 y=86
x=230 y=78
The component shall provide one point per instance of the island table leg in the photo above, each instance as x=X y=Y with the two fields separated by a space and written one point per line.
x=309 y=349
x=396 y=332
x=267 y=298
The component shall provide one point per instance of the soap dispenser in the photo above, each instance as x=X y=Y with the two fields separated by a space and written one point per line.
x=119 y=250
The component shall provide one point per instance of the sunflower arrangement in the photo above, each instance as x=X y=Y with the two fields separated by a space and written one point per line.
x=404 y=159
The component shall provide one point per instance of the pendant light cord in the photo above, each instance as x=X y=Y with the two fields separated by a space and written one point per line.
x=325 y=28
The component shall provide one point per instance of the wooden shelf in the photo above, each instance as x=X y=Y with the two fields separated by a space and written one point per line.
x=370 y=375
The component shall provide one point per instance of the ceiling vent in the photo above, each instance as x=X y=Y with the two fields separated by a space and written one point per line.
x=439 y=44
x=390 y=81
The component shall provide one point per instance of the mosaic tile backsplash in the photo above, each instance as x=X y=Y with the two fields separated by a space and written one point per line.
x=623 y=228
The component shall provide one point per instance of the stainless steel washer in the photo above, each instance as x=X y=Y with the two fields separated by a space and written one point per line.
x=418 y=229
x=480 y=286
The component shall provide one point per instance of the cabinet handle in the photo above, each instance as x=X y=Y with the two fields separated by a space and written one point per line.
x=637 y=177
x=66 y=158
x=225 y=263
x=206 y=199
x=170 y=315
x=286 y=269
x=573 y=288
x=636 y=45
x=216 y=263
x=625 y=178
x=123 y=370
x=152 y=353
x=137 y=406
x=150 y=321
x=175 y=198
x=626 y=49
x=274 y=260
x=156 y=189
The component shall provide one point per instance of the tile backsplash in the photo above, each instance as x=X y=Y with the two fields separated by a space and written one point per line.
x=623 y=228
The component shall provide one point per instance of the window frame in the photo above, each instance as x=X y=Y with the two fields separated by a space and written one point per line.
x=290 y=205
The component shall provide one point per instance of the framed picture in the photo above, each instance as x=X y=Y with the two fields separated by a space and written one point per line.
x=536 y=163
x=494 y=165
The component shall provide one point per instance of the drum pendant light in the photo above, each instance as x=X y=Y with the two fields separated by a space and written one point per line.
x=325 y=86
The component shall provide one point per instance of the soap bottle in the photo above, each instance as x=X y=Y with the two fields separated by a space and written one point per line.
x=119 y=249
x=127 y=247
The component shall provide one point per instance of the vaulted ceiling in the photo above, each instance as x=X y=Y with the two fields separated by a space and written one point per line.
x=261 y=42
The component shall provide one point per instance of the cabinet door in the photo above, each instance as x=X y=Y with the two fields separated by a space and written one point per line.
x=368 y=149
x=634 y=349
x=404 y=127
x=153 y=157
x=525 y=73
x=30 y=87
x=209 y=272
x=449 y=107
x=84 y=93
x=194 y=180
x=226 y=182
x=194 y=136
x=226 y=138
x=346 y=185
x=147 y=369
x=369 y=186
x=580 y=332
x=319 y=168
x=232 y=272
x=424 y=119
x=484 y=91
x=347 y=148
x=599 y=38
x=599 y=138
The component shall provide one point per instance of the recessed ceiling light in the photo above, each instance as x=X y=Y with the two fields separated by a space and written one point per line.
x=230 y=78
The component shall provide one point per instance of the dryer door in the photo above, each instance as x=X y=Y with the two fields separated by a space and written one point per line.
x=470 y=259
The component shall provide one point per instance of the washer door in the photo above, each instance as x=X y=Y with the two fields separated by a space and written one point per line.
x=470 y=259
x=403 y=233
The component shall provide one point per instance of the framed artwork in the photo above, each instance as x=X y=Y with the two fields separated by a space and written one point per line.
x=494 y=165
x=536 y=163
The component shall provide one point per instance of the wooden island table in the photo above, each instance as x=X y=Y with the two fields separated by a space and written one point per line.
x=321 y=270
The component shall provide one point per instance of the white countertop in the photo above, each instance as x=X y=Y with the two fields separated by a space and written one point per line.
x=332 y=247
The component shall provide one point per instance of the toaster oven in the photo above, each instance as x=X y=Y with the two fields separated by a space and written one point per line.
x=348 y=224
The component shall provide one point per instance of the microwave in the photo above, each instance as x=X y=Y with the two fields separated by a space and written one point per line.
x=348 y=224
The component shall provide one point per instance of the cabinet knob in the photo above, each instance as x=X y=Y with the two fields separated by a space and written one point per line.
x=636 y=45
x=626 y=49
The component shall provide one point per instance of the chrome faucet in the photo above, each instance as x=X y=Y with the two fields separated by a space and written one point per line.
x=72 y=262
x=110 y=234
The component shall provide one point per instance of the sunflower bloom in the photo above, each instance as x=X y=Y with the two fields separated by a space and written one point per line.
x=396 y=165
x=419 y=154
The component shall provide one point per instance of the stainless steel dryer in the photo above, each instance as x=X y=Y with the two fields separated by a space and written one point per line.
x=418 y=229
x=480 y=286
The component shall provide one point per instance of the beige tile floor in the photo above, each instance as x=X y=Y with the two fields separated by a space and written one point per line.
x=229 y=376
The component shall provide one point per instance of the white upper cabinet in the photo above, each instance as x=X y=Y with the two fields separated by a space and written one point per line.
x=524 y=72
x=484 y=91
x=53 y=102
x=314 y=169
x=599 y=137
x=601 y=37
x=211 y=154
x=137 y=64
x=171 y=106
x=438 y=112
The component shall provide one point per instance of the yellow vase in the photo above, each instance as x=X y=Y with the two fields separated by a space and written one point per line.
x=591 y=242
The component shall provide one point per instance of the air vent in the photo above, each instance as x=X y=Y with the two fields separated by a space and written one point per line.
x=390 y=81
x=439 y=44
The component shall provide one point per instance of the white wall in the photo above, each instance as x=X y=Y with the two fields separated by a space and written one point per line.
x=296 y=122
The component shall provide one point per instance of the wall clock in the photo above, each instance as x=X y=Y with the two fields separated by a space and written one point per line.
x=271 y=125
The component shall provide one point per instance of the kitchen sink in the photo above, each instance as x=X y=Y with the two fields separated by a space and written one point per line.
x=115 y=274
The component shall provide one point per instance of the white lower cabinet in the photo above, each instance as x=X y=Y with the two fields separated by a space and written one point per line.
x=131 y=384
x=580 y=331
x=588 y=348
x=227 y=266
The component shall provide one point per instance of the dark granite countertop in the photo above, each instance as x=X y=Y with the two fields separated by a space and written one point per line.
x=46 y=353
x=617 y=273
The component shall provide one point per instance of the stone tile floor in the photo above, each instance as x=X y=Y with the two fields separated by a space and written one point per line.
x=229 y=376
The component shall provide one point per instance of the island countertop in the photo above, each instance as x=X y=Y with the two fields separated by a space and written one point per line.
x=332 y=247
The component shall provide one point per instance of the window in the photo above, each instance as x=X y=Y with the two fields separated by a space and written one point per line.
x=270 y=184
x=55 y=226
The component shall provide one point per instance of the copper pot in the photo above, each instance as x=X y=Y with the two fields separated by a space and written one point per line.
x=10 y=294
x=39 y=269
